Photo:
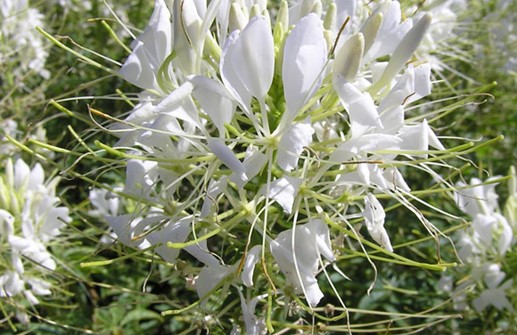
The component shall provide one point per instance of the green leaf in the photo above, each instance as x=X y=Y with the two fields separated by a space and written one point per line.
x=138 y=315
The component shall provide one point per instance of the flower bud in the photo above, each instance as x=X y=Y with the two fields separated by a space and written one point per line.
x=348 y=58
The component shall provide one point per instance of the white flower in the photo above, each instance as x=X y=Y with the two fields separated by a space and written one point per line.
x=254 y=325
x=494 y=294
x=298 y=253
x=11 y=284
x=231 y=109
x=477 y=199
x=29 y=220
x=22 y=46
x=140 y=177
x=104 y=202
x=175 y=232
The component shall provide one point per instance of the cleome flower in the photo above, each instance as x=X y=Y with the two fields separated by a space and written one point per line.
x=30 y=220
x=484 y=243
x=20 y=41
x=261 y=127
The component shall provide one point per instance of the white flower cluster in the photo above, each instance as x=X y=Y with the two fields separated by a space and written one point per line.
x=29 y=221
x=19 y=41
x=247 y=126
x=10 y=128
x=484 y=244
x=504 y=34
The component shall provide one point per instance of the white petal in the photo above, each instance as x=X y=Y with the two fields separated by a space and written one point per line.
x=284 y=190
x=418 y=138
x=422 y=85
x=251 y=259
x=415 y=138
x=227 y=157
x=253 y=163
x=10 y=284
x=104 y=202
x=414 y=84
x=123 y=226
x=229 y=73
x=187 y=35
x=293 y=141
x=21 y=174
x=252 y=57
x=157 y=35
x=215 y=188
x=495 y=297
x=364 y=144
x=345 y=8
x=321 y=233
x=300 y=9
x=214 y=100
x=39 y=286
x=403 y=52
x=374 y=219
x=140 y=176
x=209 y=277
x=6 y=224
x=201 y=253
x=305 y=55
x=179 y=104
x=433 y=139
x=395 y=179
x=37 y=177
x=138 y=70
x=313 y=292
x=150 y=50
x=310 y=240
x=254 y=325
x=359 y=106
x=176 y=232
x=506 y=237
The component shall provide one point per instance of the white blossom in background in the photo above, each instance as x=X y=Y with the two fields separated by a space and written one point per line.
x=22 y=47
x=10 y=132
x=503 y=35
x=483 y=244
x=30 y=220
x=9 y=127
